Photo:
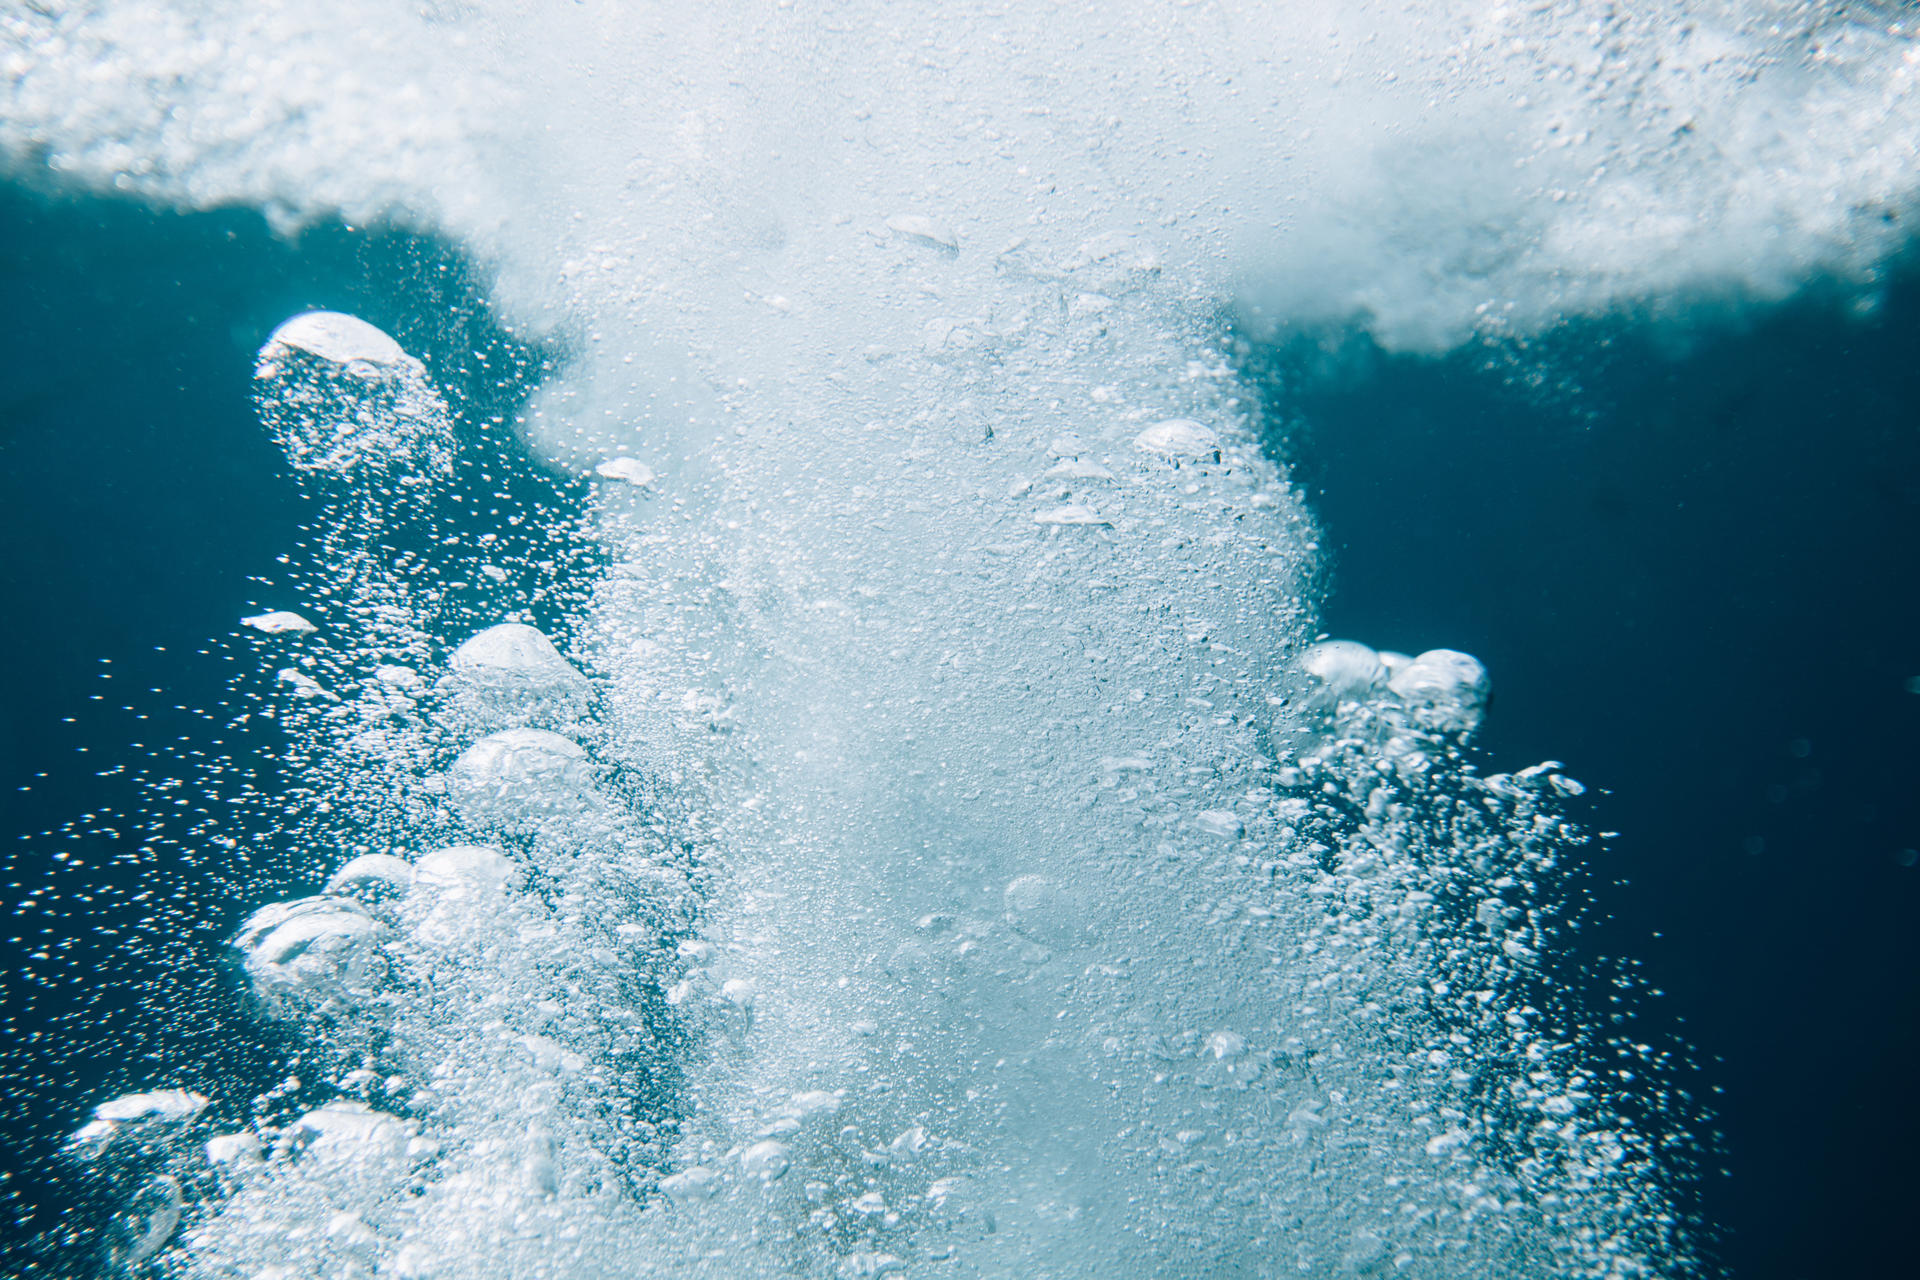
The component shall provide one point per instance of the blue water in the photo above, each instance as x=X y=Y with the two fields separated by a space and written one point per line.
x=1690 y=570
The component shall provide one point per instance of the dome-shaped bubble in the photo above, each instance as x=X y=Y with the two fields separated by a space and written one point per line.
x=341 y=396
x=321 y=953
x=631 y=470
x=1179 y=438
x=167 y=1106
x=466 y=871
x=371 y=879
x=457 y=892
x=137 y=1117
x=519 y=775
x=1444 y=690
x=511 y=676
x=350 y=1140
x=1341 y=671
x=337 y=338
x=278 y=622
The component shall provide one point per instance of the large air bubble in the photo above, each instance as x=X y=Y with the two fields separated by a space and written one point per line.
x=313 y=945
x=511 y=676
x=346 y=400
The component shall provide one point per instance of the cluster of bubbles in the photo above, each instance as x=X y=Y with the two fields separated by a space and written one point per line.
x=476 y=995
x=1449 y=887
x=410 y=541
x=490 y=1021
x=699 y=973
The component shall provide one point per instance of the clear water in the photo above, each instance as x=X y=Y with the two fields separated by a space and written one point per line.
x=938 y=844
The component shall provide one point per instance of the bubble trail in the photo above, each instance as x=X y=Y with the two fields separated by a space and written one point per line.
x=954 y=995
x=454 y=1002
x=1108 y=959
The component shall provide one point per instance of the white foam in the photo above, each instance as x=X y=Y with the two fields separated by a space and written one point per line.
x=1466 y=168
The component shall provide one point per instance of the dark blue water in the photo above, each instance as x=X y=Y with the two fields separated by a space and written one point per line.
x=1691 y=572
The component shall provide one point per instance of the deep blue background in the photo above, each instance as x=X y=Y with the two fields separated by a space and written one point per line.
x=1692 y=573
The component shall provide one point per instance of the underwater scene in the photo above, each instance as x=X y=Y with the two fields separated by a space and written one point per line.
x=1170 y=638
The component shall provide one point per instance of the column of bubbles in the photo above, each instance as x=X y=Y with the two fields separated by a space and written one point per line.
x=485 y=1022
x=1054 y=940
x=507 y=1077
x=1443 y=889
x=372 y=443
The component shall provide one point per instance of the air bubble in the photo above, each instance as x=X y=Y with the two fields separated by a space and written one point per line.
x=1179 y=438
x=279 y=622
x=511 y=676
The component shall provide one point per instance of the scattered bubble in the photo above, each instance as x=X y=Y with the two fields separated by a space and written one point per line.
x=279 y=622
x=1179 y=438
x=631 y=470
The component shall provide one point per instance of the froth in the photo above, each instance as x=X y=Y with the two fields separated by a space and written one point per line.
x=1468 y=168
